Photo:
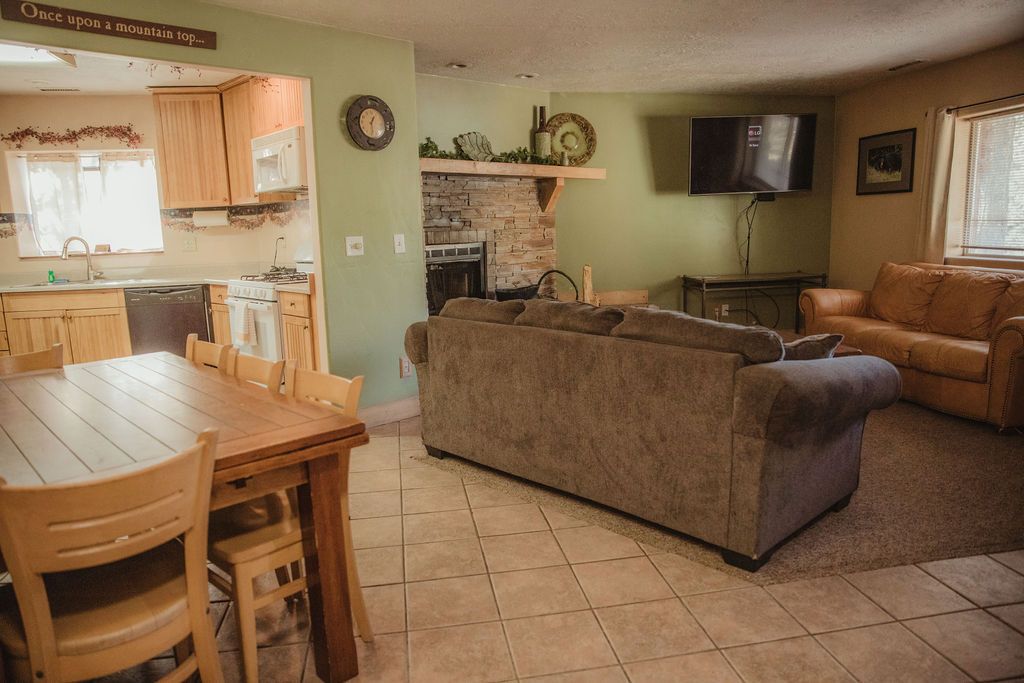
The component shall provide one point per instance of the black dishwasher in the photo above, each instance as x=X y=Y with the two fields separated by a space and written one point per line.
x=160 y=318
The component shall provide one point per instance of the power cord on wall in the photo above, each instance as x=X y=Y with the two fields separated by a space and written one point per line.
x=749 y=213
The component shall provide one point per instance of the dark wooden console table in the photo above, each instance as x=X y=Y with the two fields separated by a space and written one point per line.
x=794 y=282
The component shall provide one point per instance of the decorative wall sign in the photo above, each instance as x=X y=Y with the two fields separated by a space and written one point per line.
x=105 y=24
x=885 y=162
x=124 y=133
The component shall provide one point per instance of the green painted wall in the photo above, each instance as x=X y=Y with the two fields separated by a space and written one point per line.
x=640 y=230
x=447 y=107
x=371 y=299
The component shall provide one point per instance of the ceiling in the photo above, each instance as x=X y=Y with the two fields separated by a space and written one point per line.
x=698 y=46
x=102 y=75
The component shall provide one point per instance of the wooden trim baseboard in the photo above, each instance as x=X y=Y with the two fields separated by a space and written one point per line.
x=386 y=413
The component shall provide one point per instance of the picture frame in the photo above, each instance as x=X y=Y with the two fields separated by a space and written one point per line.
x=885 y=162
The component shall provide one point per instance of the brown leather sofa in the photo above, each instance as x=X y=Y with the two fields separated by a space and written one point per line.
x=956 y=334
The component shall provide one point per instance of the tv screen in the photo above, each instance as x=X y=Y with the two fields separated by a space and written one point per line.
x=739 y=154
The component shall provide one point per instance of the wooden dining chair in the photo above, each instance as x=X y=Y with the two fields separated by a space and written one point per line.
x=207 y=353
x=242 y=552
x=29 y=362
x=109 y=573
x=257 y=370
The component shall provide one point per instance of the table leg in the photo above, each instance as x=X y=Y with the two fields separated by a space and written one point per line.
x=334 y=646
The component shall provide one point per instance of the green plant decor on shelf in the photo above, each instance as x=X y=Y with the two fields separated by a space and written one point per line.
x=520 y=155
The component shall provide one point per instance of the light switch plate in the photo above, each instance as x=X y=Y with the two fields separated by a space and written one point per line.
x=399 y=243
x=354 y=245
x=190 y=243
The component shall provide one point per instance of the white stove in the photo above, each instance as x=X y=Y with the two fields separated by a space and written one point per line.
x=257 y=290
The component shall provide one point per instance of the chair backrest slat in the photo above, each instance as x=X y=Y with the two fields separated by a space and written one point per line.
x=207 y=353
x=29 y=362
x=330 y=391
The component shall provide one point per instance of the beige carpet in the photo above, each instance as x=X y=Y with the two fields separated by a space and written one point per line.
x=932 y=487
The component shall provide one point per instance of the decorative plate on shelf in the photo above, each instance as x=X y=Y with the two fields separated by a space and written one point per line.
x=572 y=134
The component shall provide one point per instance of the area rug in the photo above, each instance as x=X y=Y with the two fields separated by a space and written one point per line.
x=932 y=487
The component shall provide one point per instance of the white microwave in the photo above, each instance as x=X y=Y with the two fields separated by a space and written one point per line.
x=279 y=161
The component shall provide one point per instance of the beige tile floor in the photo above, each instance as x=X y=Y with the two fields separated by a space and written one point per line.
x=465 y=583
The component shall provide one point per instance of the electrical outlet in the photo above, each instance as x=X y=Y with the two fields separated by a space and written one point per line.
x=189 y=243
x=725 y=310
x=404 y=367
x=354 y=245
x=399 y=243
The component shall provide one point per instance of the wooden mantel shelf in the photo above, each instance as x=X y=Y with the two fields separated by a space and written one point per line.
x=551 y=179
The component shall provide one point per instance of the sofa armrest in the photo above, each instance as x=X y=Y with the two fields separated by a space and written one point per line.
x=819 y=303
x=1006 y=374
x=416 y=342
x=775 y=400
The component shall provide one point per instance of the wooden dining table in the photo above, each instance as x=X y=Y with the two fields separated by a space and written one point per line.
x=100 y=418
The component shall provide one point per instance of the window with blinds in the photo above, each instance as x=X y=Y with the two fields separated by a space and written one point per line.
x=994 y=215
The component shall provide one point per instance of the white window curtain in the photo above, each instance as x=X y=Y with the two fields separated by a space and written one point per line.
x=934 y=213
x=106 y=197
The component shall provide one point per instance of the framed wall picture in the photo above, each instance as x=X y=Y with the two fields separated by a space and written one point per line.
x=885 y=162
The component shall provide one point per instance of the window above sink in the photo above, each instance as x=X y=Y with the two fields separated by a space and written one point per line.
x=107 y=197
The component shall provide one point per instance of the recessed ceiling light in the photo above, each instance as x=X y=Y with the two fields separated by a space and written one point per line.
x=526 y=76
x=457 y=65
x=19 y=54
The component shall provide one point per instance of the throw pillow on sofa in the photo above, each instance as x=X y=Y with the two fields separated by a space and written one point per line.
x=571 y=316
x=902 y=293
x=756 y=344
x=482 y=310
x=964 y=303
x=813 y=347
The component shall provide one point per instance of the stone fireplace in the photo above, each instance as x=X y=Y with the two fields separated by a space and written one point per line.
x=502 y=212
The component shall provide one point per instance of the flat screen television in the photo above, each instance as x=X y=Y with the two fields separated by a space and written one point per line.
x=751 y=154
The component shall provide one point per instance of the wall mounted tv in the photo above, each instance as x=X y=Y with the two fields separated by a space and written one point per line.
x=751 y=154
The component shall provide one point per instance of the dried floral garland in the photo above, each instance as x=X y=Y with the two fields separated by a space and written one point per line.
x=124 y=133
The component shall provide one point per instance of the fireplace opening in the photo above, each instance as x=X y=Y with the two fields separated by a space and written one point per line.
x=454 y=270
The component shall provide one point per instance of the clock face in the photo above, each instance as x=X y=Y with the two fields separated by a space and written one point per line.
x=370 y=123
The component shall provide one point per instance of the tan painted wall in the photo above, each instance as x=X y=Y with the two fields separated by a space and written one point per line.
x=868 y=230
x=224 y=250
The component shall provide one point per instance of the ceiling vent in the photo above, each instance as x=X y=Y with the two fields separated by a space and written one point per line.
x=59 y=90
x=906 y=65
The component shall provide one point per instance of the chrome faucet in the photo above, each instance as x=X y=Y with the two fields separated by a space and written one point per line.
x=90 y=274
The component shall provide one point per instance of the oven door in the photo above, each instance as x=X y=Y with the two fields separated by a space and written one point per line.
x=266 y=343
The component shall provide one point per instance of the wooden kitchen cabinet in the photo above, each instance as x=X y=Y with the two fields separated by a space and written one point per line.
x=191 y=148
x=298 y=341
x=236 y=102
x=98 y=334
x=276 y=104
x=30 y=331
x=221 y=323
x=92 y=325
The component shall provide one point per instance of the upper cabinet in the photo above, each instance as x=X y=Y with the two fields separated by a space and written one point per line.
x=276 y=104
x=205 y=138
x=192 y=160
x=237 y=102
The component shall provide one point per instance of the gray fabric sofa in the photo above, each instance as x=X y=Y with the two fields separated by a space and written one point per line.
x=709 y=443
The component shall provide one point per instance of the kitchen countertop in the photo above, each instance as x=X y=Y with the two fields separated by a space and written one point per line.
x=114 y=284
x=296 y=287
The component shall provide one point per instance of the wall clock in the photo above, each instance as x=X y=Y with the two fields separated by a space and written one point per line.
x=370 y=122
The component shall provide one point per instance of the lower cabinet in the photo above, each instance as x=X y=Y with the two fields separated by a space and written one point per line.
x=29 y=331
x=98 y=334
x=298 y=341
x=219 y=317
x=88 y=333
